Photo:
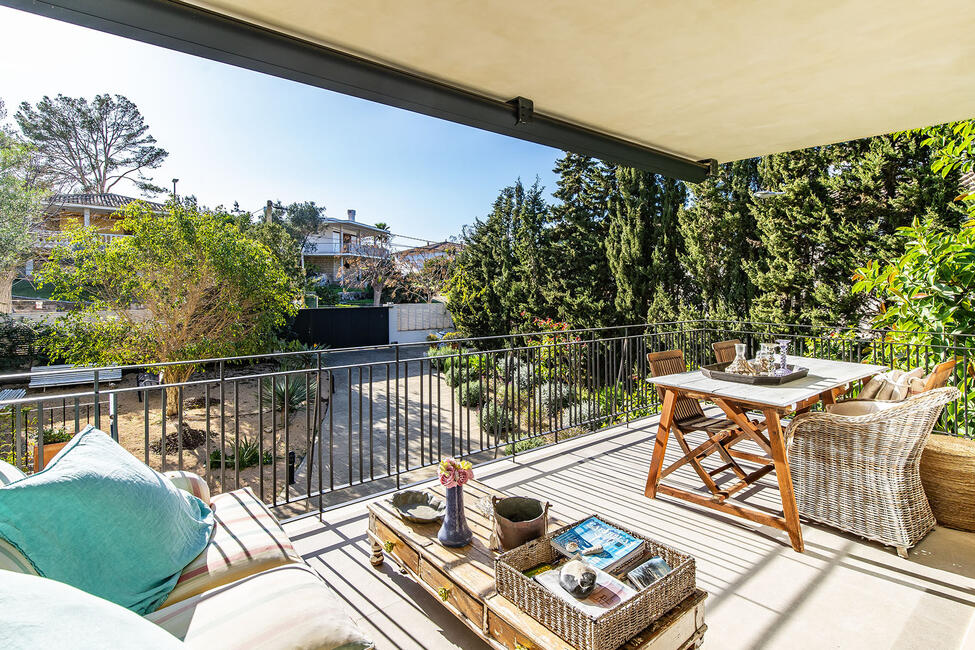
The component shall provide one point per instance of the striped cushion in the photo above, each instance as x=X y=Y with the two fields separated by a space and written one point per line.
x=13 y=560
x=246 y=540
x=192 y=483
x=285 y=607
x=9 y=473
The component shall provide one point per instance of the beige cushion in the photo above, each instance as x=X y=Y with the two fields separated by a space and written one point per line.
x=190 y=482
x=893 y=385
x=854 y=407
x=13 y=560
x=247 y=539
x=286 y=607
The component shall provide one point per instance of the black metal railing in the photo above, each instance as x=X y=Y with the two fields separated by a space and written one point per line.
x=306 y=430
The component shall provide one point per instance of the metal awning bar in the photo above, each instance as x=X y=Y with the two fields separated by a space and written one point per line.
x=192 y=30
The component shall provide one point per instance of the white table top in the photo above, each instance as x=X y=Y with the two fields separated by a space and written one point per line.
x=823 y=375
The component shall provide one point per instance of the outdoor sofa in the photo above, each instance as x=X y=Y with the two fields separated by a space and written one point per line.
x=248 y=588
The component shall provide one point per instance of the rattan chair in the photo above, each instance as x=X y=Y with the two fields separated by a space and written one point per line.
x=860 y=474
x=724 y=351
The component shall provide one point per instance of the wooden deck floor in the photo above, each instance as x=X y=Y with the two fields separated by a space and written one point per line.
x=840 y=593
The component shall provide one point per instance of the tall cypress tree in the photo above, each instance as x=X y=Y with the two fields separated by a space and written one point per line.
x=530 y=246
x=580 y=286
x=479 y=293
x=718 y=231
x=644 y=246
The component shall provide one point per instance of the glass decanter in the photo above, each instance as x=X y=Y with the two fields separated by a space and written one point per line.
x=765 y=360
x=740 y=365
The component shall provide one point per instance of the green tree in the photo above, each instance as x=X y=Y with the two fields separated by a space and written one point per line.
x=303 y=220
x=580 y=288
x=21 y=209
x=480 y=296
x=529 y=244
x=644 y=247
x=207 y=290
x=842 y=204
x=718 y=230
x=91 y=146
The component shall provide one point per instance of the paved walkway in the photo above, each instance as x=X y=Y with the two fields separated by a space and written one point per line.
x=359 y=439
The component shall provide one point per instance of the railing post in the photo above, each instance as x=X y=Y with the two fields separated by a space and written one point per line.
x=397 y=416
x=113 y=415
x=97 y=405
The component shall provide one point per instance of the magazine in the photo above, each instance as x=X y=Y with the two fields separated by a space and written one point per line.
x=649 y=572
x=618 y=546
x=609 y=592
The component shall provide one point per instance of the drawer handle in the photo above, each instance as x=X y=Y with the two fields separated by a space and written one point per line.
x=444 y=593
x=388 y=545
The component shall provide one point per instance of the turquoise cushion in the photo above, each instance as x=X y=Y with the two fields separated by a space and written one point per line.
x=41 y=613
x=100 y=520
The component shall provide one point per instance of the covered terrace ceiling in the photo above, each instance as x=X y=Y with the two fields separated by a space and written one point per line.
x=661 y=85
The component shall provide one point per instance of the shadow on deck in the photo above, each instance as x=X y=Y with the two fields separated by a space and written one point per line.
x=841 y=593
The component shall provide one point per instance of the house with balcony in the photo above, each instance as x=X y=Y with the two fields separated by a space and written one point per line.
x=103 y=211
x=328 y=251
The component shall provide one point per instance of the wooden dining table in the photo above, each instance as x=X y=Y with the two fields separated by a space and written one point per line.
x=825 y=380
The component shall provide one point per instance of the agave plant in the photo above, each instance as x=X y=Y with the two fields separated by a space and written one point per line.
x=288 y=390
x=246 y=453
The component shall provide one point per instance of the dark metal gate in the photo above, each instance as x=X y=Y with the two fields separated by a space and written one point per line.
x=343 y=327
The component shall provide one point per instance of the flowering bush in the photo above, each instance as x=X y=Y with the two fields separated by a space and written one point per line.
x=455 y=472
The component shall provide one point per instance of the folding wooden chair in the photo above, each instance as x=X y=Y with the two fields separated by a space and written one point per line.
x=724 y=351
x=689 y=418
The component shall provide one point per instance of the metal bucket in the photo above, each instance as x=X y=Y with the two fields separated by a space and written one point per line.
x=518 y=520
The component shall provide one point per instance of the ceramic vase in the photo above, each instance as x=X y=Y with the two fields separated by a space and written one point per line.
x=455 y=532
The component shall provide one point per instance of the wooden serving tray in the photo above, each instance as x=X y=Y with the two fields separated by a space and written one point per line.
x=716 y=371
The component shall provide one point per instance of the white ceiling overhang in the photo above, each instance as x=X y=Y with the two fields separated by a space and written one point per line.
x=681 y=81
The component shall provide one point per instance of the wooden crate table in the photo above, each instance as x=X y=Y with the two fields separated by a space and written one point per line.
x=463 y=578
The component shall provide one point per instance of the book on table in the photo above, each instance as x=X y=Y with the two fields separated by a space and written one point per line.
x=618 y=546
x=609 y=592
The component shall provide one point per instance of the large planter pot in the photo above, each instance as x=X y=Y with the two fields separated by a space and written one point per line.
x=49 y=453
x=948 y=475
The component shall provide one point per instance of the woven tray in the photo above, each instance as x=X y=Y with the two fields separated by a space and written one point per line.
x=616 y=626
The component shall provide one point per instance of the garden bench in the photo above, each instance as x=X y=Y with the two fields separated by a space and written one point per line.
x=69 y=375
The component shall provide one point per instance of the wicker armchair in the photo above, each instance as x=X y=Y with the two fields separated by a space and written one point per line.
x=860 y=473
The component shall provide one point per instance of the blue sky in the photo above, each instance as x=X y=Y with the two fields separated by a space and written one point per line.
x=237 y=135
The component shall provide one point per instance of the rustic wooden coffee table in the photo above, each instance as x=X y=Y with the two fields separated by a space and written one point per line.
x=464 y=580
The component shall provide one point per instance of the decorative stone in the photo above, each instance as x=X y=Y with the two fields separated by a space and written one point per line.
x=578 y=578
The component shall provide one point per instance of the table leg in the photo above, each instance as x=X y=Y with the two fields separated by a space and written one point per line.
x=377 y=555
x=784 y=475
x=660 y=445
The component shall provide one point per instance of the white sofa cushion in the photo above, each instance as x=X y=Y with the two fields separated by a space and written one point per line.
x=287 y=607
x=42 y=613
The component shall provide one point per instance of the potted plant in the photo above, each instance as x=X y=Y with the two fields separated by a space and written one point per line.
x=54 y=441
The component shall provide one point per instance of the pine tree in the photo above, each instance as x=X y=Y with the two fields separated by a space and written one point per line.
x=580 y=288
x=530 y=250
x=718 y=231
x=843 y=204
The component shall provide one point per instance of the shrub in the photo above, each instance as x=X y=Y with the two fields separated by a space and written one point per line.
x=297 y=396
x=328 y=294
x=586 y=415
x=455 y=376
x=442 y=358
x=525 y=445
x=522 y=374
x=248 y=451
x=497 y=417
x=554 y=396
x=53 y=436
x=470 y=394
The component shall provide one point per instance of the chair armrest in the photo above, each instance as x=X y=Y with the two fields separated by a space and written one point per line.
x=190 y=482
